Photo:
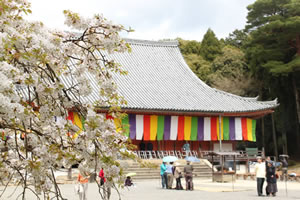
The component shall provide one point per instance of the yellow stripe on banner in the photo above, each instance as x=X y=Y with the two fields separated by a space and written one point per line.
x=249 y=129
x=78 y=123
x=77 y=120
x=118 y=124
x=222 y=129
x=187 y=127
x=153 y=127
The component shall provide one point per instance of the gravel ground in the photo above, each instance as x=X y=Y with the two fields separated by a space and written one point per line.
x=151 y=190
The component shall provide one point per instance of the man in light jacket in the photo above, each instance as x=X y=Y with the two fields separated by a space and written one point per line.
x=170 y=176
x=260 y=172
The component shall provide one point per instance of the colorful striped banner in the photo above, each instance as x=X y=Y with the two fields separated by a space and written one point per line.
x=167 y=128
x=154 y=127
x=225 y=128
x=132 y=126
x=146 y=127
x=207 y=129
x=76 y=120
x=139 y=127
x=160 y=127
x=200 y=131
x=125 y=125
x=187 y=127
x=180 y=128
x=174 y=128
x=194 y=129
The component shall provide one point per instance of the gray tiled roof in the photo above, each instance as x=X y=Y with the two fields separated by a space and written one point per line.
x=159 y=79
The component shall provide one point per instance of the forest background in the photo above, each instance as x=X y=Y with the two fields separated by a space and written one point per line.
x=263 y=60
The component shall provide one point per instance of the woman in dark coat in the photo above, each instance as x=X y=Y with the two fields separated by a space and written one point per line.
x=271 y=179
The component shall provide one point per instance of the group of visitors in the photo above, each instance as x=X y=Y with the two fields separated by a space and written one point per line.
x=170 y=171
x=83 y=180
x=266 y=170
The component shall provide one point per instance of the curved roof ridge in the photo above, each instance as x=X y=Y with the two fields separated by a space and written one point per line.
x=173 y=43
x=275 y=101
x=237 y=96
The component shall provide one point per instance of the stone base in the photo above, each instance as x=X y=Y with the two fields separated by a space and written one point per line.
x=227 y=177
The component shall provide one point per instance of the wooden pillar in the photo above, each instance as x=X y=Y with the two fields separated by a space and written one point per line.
x=263 y=135
x=174 y=145
x=220 y=138
x=274 y=136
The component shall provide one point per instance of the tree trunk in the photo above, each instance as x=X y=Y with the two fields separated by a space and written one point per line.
x=284 y=146
x=263 y=135
x=297 y=108
x=296 y=98
x=274 y=137
x=70 y=173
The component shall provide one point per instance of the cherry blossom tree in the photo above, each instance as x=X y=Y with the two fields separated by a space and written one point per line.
x=35 y=101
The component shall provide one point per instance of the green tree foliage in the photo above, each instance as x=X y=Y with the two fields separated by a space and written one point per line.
x=275 y=31
x=210 y=46
x=230 y=72
x=273 y=52
x=189 y=46
x=191 y=53
x=199 y=66
x=237 y=38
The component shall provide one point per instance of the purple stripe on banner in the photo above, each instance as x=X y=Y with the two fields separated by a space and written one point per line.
x=132 y=127
x=231 y=128
x=167 y=127
x=200 y=136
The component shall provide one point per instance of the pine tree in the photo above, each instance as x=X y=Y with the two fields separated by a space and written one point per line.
x=210 y=46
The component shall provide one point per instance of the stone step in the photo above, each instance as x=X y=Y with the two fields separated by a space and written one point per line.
x=158 y=177
x=201 y=170
x=158 y=171
x=181 y=167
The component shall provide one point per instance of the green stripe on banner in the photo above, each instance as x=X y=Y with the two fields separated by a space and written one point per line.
x=160 y=127
x=194 y=129
x=226 y=128
x=83 y=122
x=254 y=130
x=125 y=125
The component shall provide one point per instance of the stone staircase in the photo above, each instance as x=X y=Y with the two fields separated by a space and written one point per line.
x=201 y=169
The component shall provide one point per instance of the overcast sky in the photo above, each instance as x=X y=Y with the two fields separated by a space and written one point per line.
x=153 y=19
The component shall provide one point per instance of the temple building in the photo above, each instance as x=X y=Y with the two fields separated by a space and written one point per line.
x=168 y=105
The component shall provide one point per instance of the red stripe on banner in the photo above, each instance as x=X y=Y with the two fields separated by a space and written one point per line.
x=146 y=127
x=70 y=116
x=213 y=128
x=244 y=129
x=108 y=116
x=180 y=135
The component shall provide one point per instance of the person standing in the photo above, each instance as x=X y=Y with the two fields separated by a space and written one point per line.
x=170 y=177
x=188 y=174
x=260 y=172
x=187 y=149
x=83 y=179
x=271 y=179
x=177 y=176
x=101 y=176
x=163 y=175
x=105 y=186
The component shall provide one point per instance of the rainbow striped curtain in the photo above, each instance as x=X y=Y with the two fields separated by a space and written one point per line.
x=76 y=120
x=160 y=127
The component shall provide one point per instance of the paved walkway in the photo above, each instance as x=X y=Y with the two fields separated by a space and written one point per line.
x=204 y=189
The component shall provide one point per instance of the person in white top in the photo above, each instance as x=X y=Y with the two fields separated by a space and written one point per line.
x=260 y=172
